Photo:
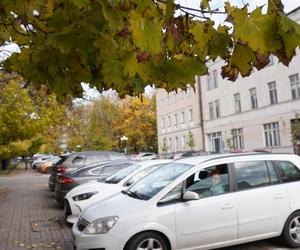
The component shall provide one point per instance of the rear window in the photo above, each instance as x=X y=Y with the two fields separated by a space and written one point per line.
x=288 y=171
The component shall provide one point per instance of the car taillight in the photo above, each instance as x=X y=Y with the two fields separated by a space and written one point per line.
x=62 y=179
x=62 y=170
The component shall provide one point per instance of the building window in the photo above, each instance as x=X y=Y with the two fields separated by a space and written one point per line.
x=169 y=121
x=253 y=98
x=218 y=112
x=237 y=138
x=216 y=142
x=295 y=86
x=183 y=142
x=273 y=92
x=212 y=80
x=190 y=114
x=237 y=102
x=272 y=137
x=170 y=145
x=211 y=110
x=163 y=124
x=175 y=120
x=182 y=117
x=215 y=77
x=176 y=143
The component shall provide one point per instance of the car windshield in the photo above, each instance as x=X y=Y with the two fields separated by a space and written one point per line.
x=120 y=175
x=142 y=174
x=151 y=184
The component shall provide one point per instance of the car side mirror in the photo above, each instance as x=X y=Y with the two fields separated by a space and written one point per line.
x=190 y=196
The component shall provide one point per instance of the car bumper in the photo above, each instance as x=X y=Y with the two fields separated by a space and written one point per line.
x=83 y=241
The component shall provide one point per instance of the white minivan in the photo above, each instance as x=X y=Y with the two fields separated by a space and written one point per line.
x=203 y=202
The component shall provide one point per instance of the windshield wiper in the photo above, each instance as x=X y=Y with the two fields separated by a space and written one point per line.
x=134 y=195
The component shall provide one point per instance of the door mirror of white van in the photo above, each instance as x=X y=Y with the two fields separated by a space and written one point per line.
x=190 y=196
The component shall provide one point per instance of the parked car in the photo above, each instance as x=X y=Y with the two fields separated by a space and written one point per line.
x=174 y=207
x=145 y=156
x=45 y=166
x=76 y=160
x=84 y=195
x=93 y=172
x=40 y=159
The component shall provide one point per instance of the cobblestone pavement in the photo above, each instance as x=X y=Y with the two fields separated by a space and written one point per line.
x=31 y=219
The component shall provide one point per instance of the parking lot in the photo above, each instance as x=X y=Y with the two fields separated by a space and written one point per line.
x=31 y=219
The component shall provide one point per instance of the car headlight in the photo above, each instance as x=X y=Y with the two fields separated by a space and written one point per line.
x=84 y=196
x=101 y=226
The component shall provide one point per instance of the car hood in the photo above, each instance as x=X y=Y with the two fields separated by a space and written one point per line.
x=116 y=205
x=88 y=187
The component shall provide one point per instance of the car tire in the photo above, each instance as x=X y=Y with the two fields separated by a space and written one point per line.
x=147 y=240
x=291 y=231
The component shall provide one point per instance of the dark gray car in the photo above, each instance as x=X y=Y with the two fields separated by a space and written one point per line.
x=97 y=171
x=77 y=160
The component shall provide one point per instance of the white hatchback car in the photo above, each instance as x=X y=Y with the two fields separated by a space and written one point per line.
x=203 y=202
x=86 y=194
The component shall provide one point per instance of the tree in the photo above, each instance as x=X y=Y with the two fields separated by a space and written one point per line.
x=30 y=119
x=128 y=44
x=191 y=141
x=17 y=124
x=137 y=121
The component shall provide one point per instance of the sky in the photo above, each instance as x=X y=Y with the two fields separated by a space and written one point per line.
x=288 y=5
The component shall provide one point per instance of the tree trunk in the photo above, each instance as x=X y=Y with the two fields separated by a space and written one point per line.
x=4 y=164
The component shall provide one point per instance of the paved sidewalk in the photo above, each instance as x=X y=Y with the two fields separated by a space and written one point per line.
x=29 y=216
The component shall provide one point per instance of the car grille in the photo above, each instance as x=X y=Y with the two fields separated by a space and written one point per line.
x=82 y=224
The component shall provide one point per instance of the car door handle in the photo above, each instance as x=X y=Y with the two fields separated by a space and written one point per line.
x=279 y=196
x=227 y=206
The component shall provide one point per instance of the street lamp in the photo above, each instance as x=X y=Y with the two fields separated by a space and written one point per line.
x=124 y=138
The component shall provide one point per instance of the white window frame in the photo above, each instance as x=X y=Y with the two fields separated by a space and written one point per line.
x=253 y=98
x=271 y=134
x=190 y=114
x=237 y=103
x=273 y=92
x=295 y=86
x=182 y=116
x=237 y=138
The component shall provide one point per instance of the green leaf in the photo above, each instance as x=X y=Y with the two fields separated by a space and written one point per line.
x=170 y=9
x=240 y=61
x=203 y=33
x=204 y=4
x=146 y=34
x=258 y=31
x=290 y=33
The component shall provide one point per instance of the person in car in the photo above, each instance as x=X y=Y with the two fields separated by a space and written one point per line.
x=217 y=187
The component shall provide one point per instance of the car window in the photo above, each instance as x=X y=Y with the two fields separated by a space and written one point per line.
x=113 y=168
x=173 y=196
x=288 y=171
x=211 y=181
x=251 y=174
x=120 y=175
x=141 y=174
x=154 y=182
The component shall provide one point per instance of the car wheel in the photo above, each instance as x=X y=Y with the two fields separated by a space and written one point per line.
x=147 y=241
x=291 y=231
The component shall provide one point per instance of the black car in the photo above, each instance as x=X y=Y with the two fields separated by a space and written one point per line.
x=76 y=160
x=96 y=171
